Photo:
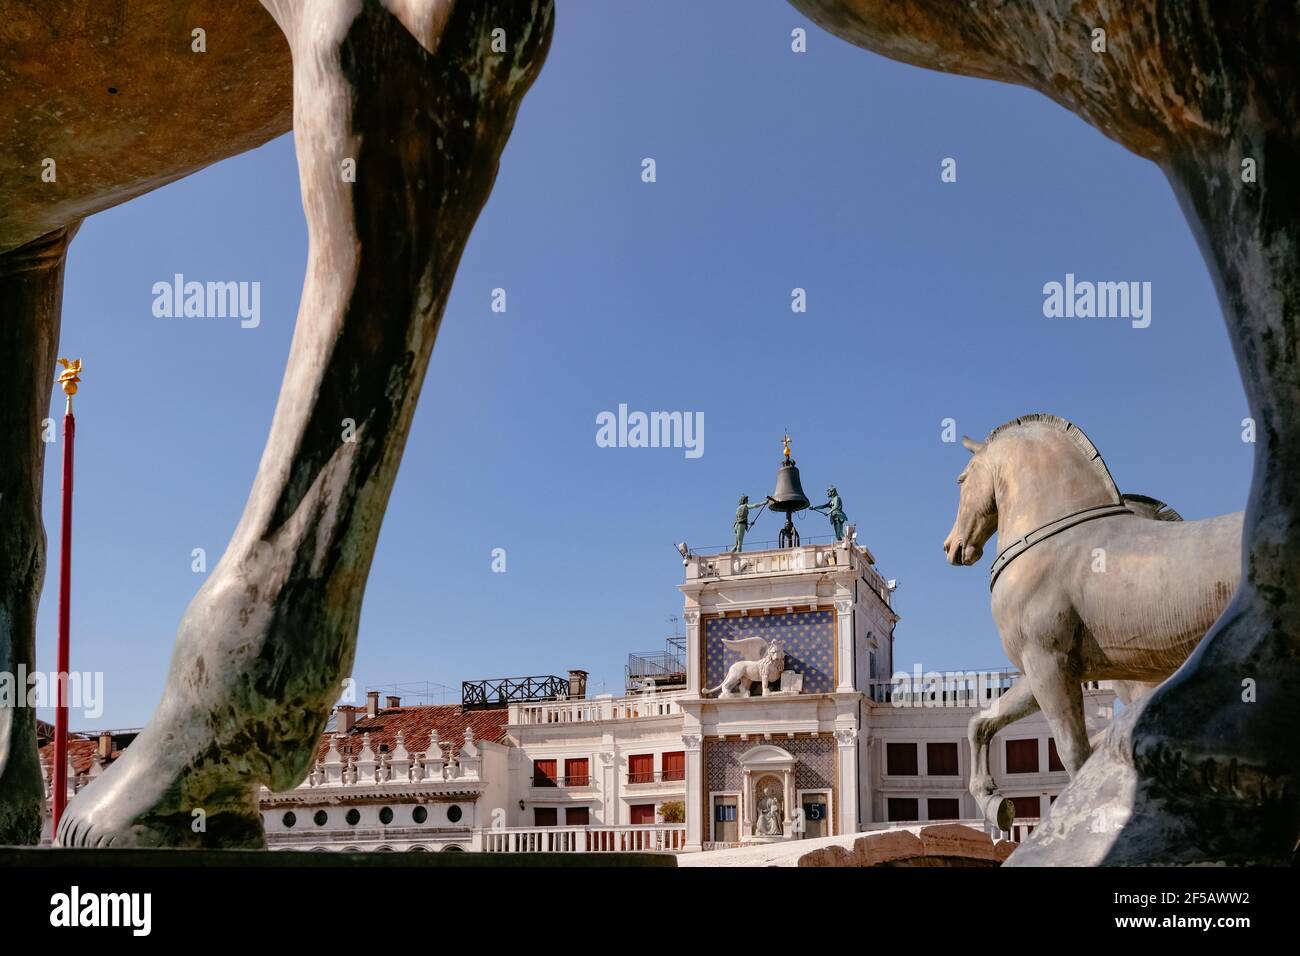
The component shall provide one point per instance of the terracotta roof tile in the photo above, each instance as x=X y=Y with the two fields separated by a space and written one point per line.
x=415 y=722
x=450 y=720
x=80 y=750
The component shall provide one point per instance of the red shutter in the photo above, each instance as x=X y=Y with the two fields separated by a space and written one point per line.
x=945 y=808
x=1022 y=755
x=640 y=813
x=577 y=816
x=575 y=773
x=1027 y=808
x=941 y=760
x=903 y=810
x=544 y=816
x=675 y=765
x=900 y=760
x=544 y=773
x=1053 y=758
x=641 y=768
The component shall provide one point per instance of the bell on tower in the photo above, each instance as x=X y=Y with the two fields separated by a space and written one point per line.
x=788 y=498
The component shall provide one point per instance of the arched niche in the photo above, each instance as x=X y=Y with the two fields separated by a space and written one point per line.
x=768 y=775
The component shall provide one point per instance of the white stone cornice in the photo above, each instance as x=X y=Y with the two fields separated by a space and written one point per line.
x=339 y=796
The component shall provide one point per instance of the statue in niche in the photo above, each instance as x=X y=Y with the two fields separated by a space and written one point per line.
x=769 y=811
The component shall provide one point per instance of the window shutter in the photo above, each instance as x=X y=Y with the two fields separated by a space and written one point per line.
x=1022 y=755
x=900 y=760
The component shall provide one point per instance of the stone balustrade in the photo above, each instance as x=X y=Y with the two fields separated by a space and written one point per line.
x=640 y=838
x=400 y=766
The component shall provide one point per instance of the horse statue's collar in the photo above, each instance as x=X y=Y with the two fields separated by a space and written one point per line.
x=1018 y=547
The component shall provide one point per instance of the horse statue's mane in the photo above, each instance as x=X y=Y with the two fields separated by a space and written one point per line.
x=1141 y=505
x=1071 y=431
x=1153 y=508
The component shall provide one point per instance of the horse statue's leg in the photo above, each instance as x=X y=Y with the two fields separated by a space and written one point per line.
x=411 y=95
x=1058 y=688
x=31 y=298
x=1015 y=703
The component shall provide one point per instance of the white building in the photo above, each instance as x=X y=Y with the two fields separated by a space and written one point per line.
x=396 y=778
x=849 y=749
x=835 y=745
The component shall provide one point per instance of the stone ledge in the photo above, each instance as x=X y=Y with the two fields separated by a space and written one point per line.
x=951 y=845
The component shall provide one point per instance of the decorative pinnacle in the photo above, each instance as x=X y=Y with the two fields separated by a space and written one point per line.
x=69 y=378
x=786 y=440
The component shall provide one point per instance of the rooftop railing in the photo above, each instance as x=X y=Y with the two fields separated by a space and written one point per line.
x=596 y=709
x=951 y=688
x=500 y=691
x=944 y=689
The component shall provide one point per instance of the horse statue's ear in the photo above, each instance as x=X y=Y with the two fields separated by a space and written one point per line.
x=974 y=447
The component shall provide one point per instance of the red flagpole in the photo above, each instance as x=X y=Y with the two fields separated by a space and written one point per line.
x=68 y=379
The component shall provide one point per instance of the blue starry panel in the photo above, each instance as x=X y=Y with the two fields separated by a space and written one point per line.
x=808 y=637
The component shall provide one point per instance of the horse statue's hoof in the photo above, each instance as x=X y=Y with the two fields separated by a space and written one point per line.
x=997 y=810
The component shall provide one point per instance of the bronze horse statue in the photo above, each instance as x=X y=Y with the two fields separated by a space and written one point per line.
x=1088 y=585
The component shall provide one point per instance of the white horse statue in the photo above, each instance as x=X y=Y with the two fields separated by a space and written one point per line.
x=1088 y=584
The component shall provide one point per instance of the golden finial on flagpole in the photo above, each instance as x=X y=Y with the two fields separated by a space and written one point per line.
x=69 y=378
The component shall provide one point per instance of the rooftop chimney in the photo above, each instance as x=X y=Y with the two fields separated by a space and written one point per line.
x=372 y=703
x=347 y=719
x=105 y=748
x=577 y=685
x=394 y=701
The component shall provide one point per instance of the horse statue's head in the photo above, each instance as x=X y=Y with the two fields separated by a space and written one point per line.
x=977 y=508
x=1031 y=470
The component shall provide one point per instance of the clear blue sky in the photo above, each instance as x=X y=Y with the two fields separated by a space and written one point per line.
x=775 y=170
